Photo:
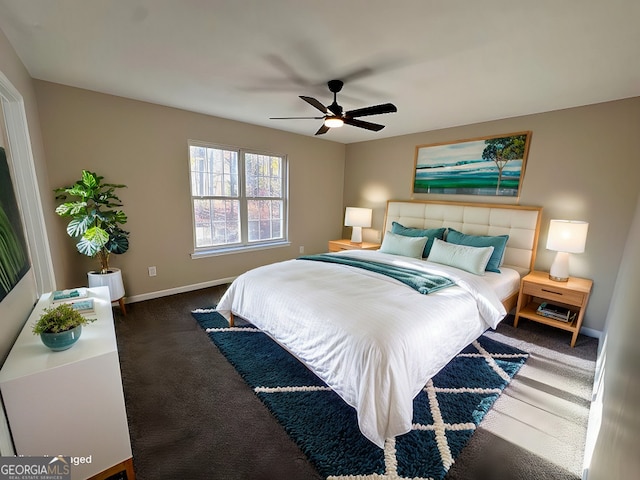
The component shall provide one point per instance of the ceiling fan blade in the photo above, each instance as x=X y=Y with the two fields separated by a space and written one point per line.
x=358 y=73
x=296 y=118
x=362 y=124
x=373 y=110
x=322 y=129
x=315 y=103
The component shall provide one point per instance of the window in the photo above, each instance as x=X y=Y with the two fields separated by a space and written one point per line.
x=238 y=196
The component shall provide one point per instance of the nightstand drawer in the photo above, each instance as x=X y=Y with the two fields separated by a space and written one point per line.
x=553 y=293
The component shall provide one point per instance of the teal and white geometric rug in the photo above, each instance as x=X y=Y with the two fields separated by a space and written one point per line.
x=446 y=412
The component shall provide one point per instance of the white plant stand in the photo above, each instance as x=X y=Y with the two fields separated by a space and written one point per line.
x=113 y=280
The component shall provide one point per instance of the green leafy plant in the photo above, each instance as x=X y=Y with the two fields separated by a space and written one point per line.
x=59 y=319
x=95 y=217
x=12 y=254
x=14 y=262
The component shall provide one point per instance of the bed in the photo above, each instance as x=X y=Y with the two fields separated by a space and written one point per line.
x=372 y=338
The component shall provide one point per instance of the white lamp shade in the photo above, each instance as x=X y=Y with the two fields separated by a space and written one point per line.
x=357 y=217
x=567 y=236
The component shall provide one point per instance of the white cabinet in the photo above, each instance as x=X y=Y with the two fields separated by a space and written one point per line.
x=70 y=402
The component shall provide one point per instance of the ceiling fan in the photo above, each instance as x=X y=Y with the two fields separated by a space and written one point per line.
x=334 y=116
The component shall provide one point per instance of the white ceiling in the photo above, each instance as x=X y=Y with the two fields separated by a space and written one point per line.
x=441 y=62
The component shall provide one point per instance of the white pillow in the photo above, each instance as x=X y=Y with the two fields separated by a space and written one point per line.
x=403 y=245
x=471 y=259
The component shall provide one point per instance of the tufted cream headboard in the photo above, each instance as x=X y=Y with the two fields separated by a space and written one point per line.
x=521 y=223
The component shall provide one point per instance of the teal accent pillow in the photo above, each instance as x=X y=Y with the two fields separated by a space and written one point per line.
x=498 y=242
x=470 y=259
x=403 y=245
x=432 y=233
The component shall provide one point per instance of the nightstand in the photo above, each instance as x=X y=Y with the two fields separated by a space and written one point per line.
x=346 y=244
x=537 y=287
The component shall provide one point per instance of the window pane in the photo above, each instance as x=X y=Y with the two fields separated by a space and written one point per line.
x=253 y=210
x=264 y=219
x=214 y=172
x=217 y=222
x=263 y=175
x=276 y=229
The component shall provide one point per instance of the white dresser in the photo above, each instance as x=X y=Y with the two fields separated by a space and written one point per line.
x=70 y=402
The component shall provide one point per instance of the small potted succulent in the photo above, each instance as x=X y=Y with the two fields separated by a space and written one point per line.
x=60 y=327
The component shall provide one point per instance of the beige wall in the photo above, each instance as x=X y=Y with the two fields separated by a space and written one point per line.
x=145 y=147
x=616 y=436
x=583 y=164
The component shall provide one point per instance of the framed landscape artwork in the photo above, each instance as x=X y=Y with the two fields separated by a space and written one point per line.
x=480 y=166
x=14 y=260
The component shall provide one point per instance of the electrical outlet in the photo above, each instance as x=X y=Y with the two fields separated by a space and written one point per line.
x=301 y=248
x=152 y=271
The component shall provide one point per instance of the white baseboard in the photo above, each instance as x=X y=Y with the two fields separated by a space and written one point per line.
x=173 y=291
x=590 y=332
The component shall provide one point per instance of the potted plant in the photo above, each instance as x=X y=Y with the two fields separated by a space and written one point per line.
x=95 y=223
x=60 y=327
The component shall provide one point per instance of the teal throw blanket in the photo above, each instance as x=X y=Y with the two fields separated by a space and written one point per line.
x=420 y=281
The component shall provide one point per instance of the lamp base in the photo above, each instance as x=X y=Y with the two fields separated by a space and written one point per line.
x=558 y=279
x=356 y=235
x=559 y=271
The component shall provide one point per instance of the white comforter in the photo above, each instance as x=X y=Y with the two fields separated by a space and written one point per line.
x=372 y=339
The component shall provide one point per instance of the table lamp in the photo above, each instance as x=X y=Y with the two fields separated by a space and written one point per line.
x=565 y=237
x=357 y=218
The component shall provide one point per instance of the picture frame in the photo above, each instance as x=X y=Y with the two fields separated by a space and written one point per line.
x=490 y=166
x=14 y=257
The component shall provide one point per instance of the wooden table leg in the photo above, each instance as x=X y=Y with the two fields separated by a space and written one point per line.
x=574 y=338
x=522 y=301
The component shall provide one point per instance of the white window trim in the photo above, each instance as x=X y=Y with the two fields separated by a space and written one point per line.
x=244 y=245
x=26 y=185
x=203 y=253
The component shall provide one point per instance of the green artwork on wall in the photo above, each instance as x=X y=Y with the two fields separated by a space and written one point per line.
x=480 y=166
x=14 y=260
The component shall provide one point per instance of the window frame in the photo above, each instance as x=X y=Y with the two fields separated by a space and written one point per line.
x=244 y=244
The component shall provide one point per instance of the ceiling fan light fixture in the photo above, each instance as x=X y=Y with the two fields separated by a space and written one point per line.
x=333 y=122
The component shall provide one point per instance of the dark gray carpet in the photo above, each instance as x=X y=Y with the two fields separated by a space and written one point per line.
x=192 y=417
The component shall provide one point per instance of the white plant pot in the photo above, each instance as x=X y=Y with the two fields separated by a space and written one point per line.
x=113 y=280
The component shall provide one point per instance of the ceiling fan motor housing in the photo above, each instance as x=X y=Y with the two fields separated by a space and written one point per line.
x=335 y=85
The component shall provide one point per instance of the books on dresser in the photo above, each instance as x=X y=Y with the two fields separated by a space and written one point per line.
x=78 y=298
x=556 y=312
x=83 y=306
x=59 y=296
